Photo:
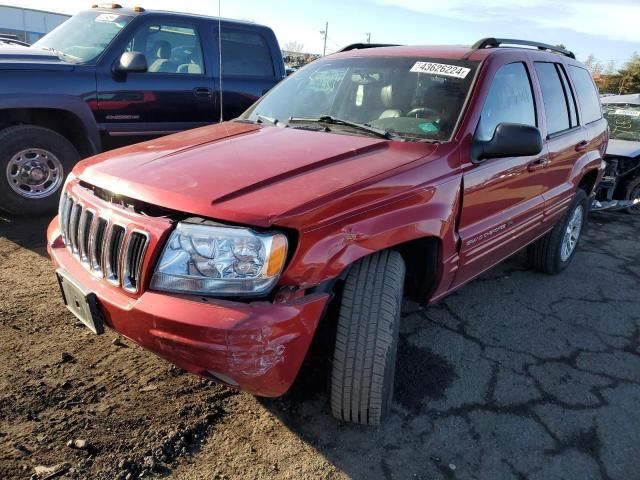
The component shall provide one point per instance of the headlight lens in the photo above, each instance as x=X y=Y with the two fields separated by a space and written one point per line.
x=225 y=261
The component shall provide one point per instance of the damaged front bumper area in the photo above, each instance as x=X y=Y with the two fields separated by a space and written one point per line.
x=257 y=347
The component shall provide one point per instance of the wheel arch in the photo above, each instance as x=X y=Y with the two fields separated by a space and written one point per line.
x=589 y=180
x=68 y=116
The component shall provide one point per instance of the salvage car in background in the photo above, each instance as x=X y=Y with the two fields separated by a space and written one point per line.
x=112 y=76
x=620 y=186
x=367 y=175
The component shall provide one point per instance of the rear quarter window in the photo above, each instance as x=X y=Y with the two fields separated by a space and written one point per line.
x=587 y=94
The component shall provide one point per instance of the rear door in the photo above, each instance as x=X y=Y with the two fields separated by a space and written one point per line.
x=566 y=139
x=251 y=65
x=175 y=94
x=502 y=202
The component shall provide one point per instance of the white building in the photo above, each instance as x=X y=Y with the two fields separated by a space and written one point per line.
x=27 y=24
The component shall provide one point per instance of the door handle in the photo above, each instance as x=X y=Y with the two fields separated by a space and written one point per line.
x=538 y=164
x=203 y=92
x=582 y=146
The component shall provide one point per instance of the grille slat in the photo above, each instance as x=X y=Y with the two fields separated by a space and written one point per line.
x=96 y=246
x=74 y=222
x=107 y=249
x=86 y=223
x=134 y=255
x=113 y=252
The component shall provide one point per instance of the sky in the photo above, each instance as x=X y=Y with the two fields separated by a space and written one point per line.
x=607 y=29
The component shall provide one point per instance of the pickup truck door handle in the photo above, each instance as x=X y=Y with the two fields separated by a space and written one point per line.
x=203 y=92
x=582 y=146
x=538 y=164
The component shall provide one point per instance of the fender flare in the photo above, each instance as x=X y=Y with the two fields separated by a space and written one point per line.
x=68 y=103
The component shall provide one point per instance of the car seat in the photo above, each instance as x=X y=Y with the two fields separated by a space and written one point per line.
x=386 y=97
x=162 y=51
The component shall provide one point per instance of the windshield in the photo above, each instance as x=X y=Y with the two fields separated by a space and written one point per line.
x=416 y=99
x=83 y=37
x=624 y=120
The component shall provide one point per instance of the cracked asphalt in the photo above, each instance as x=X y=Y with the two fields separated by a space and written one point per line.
x=518 y=375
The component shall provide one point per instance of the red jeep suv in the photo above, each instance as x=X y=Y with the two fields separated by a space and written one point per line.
x=368 y=175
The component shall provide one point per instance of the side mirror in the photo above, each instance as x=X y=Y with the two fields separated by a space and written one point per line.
x=509 y=140
x=132 y=62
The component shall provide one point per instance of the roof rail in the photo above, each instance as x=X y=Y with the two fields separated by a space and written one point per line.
x=496 y=42
x=362 y=46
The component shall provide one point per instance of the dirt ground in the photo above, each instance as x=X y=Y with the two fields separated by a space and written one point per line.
x=519 y=375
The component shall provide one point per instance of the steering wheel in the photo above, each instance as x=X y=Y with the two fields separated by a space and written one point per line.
x=421 y=111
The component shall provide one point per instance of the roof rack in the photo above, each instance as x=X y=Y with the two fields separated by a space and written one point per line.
x=496 y=42
x=362 y=46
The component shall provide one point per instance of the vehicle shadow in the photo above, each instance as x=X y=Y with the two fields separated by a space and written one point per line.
x=501 y=379
x=27 y=232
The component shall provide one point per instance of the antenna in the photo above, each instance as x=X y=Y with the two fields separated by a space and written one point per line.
x=220 y=58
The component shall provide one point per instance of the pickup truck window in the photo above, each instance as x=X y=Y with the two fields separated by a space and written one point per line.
x=510 y=100
x=84 y=37
x=556 y=105
x=169 y=48
x=245 y=53
x=418 y=99
x=624 y=120
x=587 y=94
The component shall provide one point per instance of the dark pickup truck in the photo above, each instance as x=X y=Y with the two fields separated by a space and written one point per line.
x=112 y=76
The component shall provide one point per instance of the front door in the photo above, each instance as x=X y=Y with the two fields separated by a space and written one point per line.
x=175 y=94
x=502 y=202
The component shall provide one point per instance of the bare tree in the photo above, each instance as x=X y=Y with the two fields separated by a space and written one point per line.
x=294 y=46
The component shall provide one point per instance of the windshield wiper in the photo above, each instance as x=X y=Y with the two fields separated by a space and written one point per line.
x=264 y=118
x=61 y=55
x=338 y=121
x=12 y=41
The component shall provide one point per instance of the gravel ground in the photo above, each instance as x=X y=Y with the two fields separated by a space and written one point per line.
x=518 y=375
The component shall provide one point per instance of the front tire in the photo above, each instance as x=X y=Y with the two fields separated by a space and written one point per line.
x=34 y=162
x=364 y=358
x=553 y=253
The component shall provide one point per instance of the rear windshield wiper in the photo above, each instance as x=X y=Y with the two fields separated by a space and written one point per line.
x=337 y=121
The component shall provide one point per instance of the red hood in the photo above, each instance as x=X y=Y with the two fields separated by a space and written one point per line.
x=246 y=173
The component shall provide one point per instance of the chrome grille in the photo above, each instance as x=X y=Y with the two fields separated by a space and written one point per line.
x=107 y=249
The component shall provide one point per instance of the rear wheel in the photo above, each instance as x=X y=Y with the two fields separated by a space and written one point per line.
x=632 y=192
x=364 y=359
x=33 y=164
x=553 y=252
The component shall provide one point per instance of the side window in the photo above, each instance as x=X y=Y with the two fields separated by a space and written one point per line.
x=570 y=95
x=510 y=100
x=169 y=48
x=556 y=105
x=245 y=53
x=587 y=94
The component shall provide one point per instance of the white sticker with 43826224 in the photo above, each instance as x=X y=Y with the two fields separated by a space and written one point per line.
x=440 y=69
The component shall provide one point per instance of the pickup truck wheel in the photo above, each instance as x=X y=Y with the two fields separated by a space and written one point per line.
x=553 y=252
x=632 y=191
x=34 y=162
x=364 y=358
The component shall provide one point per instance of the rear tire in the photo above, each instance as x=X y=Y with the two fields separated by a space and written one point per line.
x=553 y=253
x=632 y=192
x=34 y=162
x=364 y=358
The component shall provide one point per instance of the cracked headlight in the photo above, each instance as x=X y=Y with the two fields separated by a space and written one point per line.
x=218 y=260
